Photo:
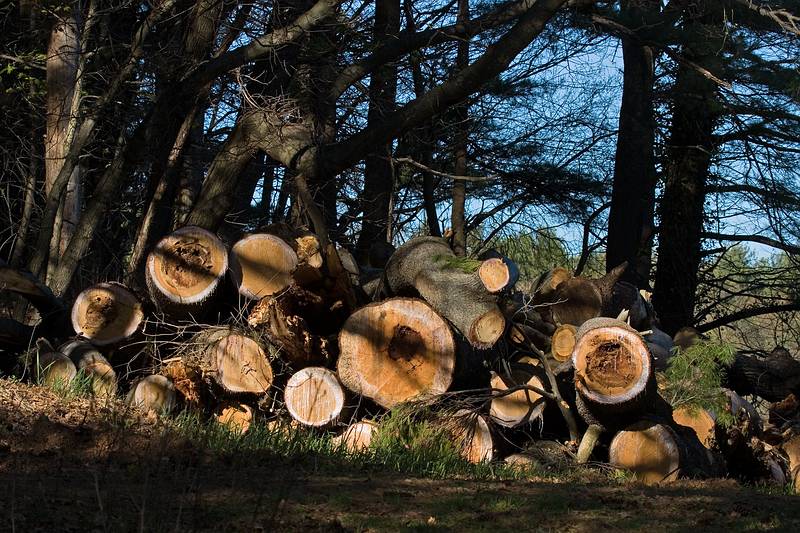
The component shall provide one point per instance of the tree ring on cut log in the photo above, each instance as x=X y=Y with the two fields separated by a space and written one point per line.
x=357 y=437
x=314 y=397
x=473 y=436
x=497 y=274
x=521 y=406
x=395 y=350
x=609 y=366
x=55 y=368
x=188 y=265
x=488 y=328
x=154 y=393
x=106 y=313
x=236 y=417
x=648 y=449
x=262 y=265
x=242 y=365
x=701 y=421
x=563 y=342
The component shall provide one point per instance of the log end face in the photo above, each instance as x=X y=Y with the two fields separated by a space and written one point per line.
x=649 y=450
x=612 y=365
x=242 y=365
x=495 y=275
x=237 y=417
x=154 y=393
x=262 y=265
x=487 y=329
x=187 y=266
x=699 y=420
x=314 y=397
x=106 y=313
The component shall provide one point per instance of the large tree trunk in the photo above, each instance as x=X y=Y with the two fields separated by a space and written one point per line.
x=428 y=267
x=62 y=71
x=691 y=146
x=378 y=168
x=630 y=224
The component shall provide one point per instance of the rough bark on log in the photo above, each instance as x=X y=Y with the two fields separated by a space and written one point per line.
x=357 y=437
x=315 y=398
x=107 y=313
x=613 y=367
x=231 y=360
x=54 y=314
x=580 y=299
x=237 y=417
x=154 y=393
x=473 y=436
x=544 y=288
x=395 y=350
x=186 y=271
x=522 y=406
x=282 y=320
x=498 y=274
x=660 y=345
x=428 y=267
x=262 y=265
x=773 y=377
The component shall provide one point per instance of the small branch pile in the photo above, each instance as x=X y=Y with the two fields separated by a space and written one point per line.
x=570 y=372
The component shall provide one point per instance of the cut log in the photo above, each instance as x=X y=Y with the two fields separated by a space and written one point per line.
x=563 y=342
x=307 y=248
x=428 y=267
x=744 y=413
x=544 y=288
x=357 y=437
x=315 y=398
x=349 y=264
x=522 y=335
x=54 y=369
x=262 y=265
x=701 y=421
x=651 y=451
x=231 y=360
x=612 y=365
x=580 y=299
x=625 y=296
x=498 y=274
x=472 y=435
x=186 y=270
x=107 y=313
x=792 y=450
x=188 y=383
x=588 y=443
x=237 y=417
x=52 y=311
x=521 y=406
x=153 y=393
x=396 y=350
x=773 y=377
x=93 y=365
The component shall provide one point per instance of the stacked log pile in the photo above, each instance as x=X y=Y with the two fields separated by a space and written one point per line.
x=278 y=325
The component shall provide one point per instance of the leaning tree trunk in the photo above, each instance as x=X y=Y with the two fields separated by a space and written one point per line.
x=462 y=126
x=396 y=350
x=186 y=271
x=613 y=369
x=315 y=398
x=428 y=267
x=107 y=313
x=229 y=360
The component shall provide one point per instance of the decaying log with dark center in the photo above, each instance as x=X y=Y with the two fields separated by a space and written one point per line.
x=396 y=350
x=107 y=313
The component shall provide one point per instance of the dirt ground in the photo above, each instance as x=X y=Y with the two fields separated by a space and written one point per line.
x=85 y=465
